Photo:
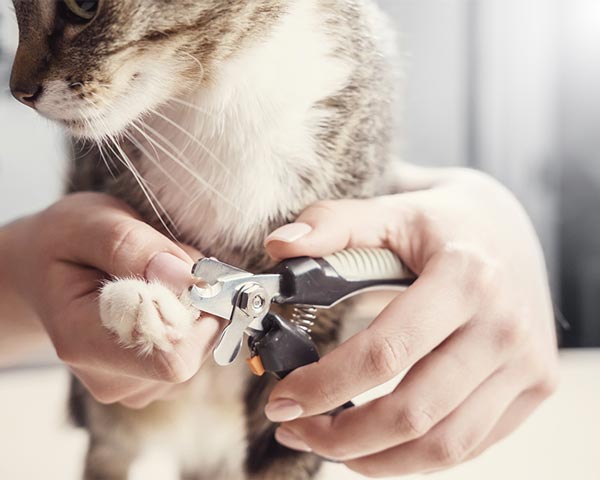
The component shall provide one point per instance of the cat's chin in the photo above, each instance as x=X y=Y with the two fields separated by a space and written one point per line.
x=94 y=130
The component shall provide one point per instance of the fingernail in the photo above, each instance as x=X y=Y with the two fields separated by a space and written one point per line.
x=283 y=410
x=170 y=270
x=289 y=233
x=290 y=440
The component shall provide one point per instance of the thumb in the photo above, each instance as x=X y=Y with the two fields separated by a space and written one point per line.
x=331 y=226
x=94 y=231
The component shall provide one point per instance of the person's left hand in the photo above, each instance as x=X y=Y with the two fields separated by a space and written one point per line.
x=477 y=326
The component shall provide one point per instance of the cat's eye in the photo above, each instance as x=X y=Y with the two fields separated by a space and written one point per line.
x=82 y=10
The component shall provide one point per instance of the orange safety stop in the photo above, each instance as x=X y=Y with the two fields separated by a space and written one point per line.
x=256 y=366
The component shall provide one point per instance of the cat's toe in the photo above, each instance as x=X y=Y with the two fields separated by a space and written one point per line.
x=146 y=316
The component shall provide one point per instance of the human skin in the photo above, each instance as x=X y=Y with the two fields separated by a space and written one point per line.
x=477 y=328
x=53 y=265
x=477 y=325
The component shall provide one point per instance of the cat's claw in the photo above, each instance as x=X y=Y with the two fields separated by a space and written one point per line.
x=145 y=316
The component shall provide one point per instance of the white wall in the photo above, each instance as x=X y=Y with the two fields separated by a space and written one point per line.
x=432 y=38
x=515 y=117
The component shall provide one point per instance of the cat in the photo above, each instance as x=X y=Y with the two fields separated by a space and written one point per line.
x=218 y=121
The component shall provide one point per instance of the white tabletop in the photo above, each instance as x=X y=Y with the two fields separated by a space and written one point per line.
x=561 y=441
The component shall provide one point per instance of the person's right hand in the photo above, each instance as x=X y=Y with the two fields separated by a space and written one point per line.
x=68 y=250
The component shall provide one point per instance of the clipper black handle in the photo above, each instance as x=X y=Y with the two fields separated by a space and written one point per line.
x=283 y=347
x=324 y=282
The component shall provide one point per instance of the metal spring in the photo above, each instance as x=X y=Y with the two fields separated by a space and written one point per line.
x=304 y=316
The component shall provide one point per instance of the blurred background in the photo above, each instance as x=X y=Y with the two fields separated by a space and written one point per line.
x=511 y=87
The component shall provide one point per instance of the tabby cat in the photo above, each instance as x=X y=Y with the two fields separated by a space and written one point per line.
x=219 y=120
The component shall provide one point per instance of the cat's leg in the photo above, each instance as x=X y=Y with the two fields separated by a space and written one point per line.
x=207 y=474
x=114 y=441
x=145 y=316
x=109 y=458
x=113 y=446
x=266 y=458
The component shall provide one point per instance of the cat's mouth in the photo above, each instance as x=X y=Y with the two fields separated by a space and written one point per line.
x=96 y=125
x=81 y=127
x=97 y=112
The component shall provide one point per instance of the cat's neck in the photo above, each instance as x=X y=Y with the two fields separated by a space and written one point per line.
x=235 y=154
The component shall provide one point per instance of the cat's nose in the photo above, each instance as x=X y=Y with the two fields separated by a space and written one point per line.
x=27 y=94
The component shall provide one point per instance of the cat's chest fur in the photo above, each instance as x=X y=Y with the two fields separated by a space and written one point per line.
x=236 y=158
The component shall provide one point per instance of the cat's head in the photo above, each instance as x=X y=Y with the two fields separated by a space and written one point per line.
x=97 y=65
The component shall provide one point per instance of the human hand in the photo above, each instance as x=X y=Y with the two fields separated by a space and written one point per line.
x=69 y=251
x=477 y=325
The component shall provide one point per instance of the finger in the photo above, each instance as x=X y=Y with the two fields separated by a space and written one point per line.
x=456 y=437
x=153 y=393
x=109 y=388
x=192 y=252
x=516 y=414
x=131 y=392
x=171 y=271
x=95 y=348
x=415 y=323
x=146 y=396
x=105 y=234
x=431 y=390
x=328 y=227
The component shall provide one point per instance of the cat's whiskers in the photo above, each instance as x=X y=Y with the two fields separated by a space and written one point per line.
x=181 y=163
x=198 y=62
x=104 y=157
x=214 y=115
x=120 y=155
x=190 y=105
x=80 y=143
x=155 y=161
x=180 y=153
x=153 y=200
x=176 y=156
x=145 y=135
x=193 y=139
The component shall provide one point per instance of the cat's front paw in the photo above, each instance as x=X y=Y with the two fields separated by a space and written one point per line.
x=146 y=316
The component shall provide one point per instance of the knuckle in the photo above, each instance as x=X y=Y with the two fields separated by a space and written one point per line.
x=480 y=272
x=548 y=386
x=326 y=207
x=449 y=450
x=137 y=404
x=511 y=332
x=422 y=220
x=414 y=422
x=368 y=468
x=386 y=356
x=122 y=240
x=105 y=397
x=64 y=351
x=171 y=368
x=335 y=451
x=326 y=396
